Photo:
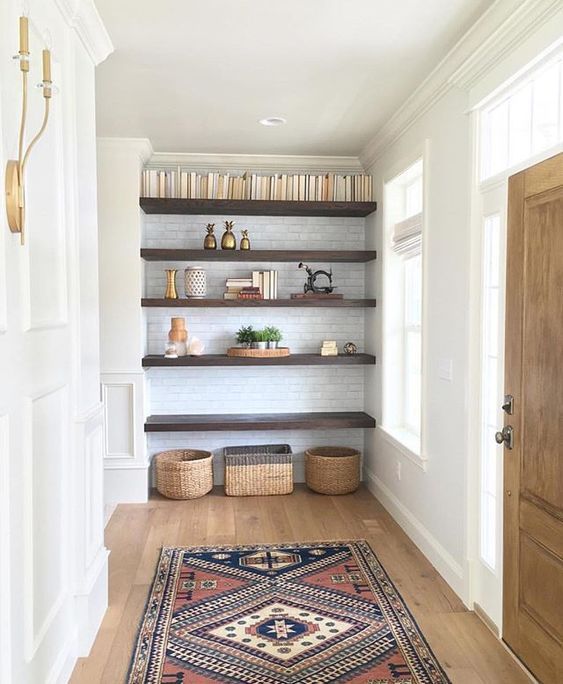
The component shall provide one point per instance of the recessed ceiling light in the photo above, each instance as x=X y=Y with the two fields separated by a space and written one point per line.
x=273 y=121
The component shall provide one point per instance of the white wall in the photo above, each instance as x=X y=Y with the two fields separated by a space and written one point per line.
x=432 y=502
x=53 y=572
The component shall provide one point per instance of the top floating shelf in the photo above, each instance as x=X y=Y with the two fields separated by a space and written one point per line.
x=157 y=205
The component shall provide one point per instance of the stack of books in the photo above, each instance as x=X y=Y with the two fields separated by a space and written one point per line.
x=329 y=348
x=261 y=285
x=324 y=187
x=236 y=286
x=267 y=283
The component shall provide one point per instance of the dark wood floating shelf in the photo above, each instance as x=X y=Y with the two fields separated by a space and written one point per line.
x=266 y=255
x=152 y=361
x=258 y=421
x=260 y=303
x=157 y=205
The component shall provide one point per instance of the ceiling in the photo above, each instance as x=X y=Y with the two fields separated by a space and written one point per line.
x=196 y=76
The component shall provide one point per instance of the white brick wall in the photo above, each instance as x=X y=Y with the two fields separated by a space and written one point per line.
x=249 y=390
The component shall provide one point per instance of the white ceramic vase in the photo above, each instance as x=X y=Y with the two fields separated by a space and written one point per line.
x=195 y=282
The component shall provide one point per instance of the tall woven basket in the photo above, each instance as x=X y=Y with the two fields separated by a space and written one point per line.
x=184 y=473
x=332 y=470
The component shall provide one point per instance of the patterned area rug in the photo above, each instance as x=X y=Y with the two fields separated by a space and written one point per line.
x=312 y=613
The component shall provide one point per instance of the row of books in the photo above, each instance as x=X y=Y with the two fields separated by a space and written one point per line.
x=327 y=187
x=261 y=285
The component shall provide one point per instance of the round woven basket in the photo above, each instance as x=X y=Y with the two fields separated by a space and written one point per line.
x=184 y=473
x=332 y=470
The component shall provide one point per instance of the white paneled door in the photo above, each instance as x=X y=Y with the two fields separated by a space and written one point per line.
x=52 y=560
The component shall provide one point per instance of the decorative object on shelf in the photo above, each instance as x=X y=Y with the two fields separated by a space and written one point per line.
x=332 y=470
x=15 y=168
x=273 y=336
x=260 y=470
x=210 y=241
x=329 y=348
x=310 y=284
x=244 y=353
x=195 y=283
x=184 y=473
x=170 y=351
x=350 y=348
x=171 y=291
x=195 y=347
x=228 y=241
x=245 y=336
x=312 y=289
x=178 y=334
x=259 y=340
x=245 y=240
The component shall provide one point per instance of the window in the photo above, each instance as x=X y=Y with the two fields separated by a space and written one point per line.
x=403 y=318
x=524 y=121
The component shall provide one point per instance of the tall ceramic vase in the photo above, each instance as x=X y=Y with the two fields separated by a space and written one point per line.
x=179 y=335
x=195 y=282
x=171 y=292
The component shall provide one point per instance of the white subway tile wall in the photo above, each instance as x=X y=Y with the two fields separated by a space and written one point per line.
x=257 y=390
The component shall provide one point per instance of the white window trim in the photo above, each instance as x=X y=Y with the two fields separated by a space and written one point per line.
x=393 y=436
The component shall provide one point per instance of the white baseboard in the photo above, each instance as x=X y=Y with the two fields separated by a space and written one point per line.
x=441 y=559
x=126 y=484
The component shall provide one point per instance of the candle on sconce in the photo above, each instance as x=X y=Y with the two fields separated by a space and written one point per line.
x=47 y=65
x=24 y=35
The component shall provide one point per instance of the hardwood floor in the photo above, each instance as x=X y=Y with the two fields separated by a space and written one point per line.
x=467 y=650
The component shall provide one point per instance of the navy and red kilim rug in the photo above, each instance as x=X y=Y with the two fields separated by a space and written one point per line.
x=312 y=613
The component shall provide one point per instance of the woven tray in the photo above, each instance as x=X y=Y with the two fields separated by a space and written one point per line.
x=258 y=353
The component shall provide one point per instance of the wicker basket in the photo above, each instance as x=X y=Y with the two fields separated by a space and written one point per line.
x=332 y=470
x=258 y=470
x=184 y=473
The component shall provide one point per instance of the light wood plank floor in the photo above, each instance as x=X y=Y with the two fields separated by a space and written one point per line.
x=467 y=650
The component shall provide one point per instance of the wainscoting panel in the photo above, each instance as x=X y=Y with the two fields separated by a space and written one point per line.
x=45 y=513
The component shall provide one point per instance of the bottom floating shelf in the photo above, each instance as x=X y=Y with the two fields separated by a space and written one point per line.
x=258 y=421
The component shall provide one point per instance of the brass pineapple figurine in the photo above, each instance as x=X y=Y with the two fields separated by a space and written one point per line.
x=210 y=241
x=228 y=241
x=245 y=242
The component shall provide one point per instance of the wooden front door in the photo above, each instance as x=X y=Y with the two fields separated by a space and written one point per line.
x=533 y=468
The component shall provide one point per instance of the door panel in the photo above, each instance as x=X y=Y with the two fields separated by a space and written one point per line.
x=533 y=469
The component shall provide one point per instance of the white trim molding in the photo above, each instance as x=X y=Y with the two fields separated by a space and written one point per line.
x=84 y=18
x=498 y=31
x=256 y=162
x=441 y=559
x=142 y=146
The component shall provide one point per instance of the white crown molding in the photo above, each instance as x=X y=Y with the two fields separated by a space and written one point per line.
x=258 y=162
x=140 y=146
x=83 y=17
x=498 y=31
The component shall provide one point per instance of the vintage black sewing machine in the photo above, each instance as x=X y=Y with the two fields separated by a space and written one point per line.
x=313 y=276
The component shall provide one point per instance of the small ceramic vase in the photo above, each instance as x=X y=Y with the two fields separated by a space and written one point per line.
x=171 y=292
x=170 y=351
x=178 y=335
x=195 y=282
x=259 y=345
x=245 y=242
x=272 y=344
x=228 y=241
x=210 y=241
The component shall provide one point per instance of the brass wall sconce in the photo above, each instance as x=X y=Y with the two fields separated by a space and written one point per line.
x=15 y=168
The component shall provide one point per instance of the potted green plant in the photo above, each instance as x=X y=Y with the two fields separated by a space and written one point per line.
x=273 y=336
x=245 y=336
x=259 y=341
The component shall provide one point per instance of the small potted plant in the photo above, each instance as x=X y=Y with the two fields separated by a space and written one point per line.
x=245 y=336
x=273 y=336
x=259 y=339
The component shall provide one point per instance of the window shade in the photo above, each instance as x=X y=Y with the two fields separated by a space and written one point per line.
x=407 y=236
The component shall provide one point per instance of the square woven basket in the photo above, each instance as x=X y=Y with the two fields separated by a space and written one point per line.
x=261 y=470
